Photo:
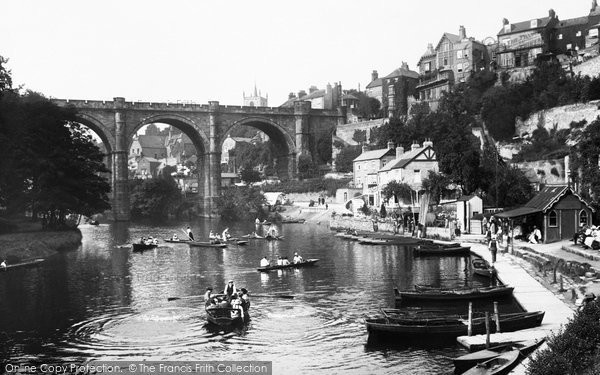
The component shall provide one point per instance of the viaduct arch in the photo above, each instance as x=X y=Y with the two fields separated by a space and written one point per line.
x=294 y=131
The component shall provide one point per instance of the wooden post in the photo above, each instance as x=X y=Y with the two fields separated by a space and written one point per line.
x=487 y=329
x=562 y=289
x=470 y=325
x=496 y=317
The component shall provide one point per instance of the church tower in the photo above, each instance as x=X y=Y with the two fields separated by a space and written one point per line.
x=256 y=100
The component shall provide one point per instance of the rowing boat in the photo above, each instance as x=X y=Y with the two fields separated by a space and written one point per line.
x=465 y=362
x=372 y=241
x=206 y=244
x=444 y=327
x=500 y=365
x=306 y=263
x=292 y=221
x=177 y=241
x=143 y=246
x=453 y=294
x=27 y=263
x=442 y=251
x=483 y=268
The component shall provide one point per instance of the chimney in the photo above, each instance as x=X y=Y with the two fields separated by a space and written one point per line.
x=365 y=148
x=404 y=65
x=415 y=146
x=427 y=142
x=291 y=95
x=301 y=93
x=430 y=50
x=390 y=145
x=551 y=13
x=462 y=33
x=399 y=152
x=374 y=75
x=312 y=89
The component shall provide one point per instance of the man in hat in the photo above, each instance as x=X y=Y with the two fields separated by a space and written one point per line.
x=230 y=289
x=297 y=258
x=264 y=262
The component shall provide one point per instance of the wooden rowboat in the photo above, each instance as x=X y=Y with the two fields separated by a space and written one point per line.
x=465 y=362
x=26 y=263
x=206 y=244
x=372 y=241
x=499 y=365
x=292 y=221
x=453 y=294
x=483 y=268
x=177 y=241
x=447 y=327
x=442 y=251
x=306 y=263
x=143 y=246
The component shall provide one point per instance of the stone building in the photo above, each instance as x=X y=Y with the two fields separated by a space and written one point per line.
x=453 y=60
x=394 y=90
x=328 y=98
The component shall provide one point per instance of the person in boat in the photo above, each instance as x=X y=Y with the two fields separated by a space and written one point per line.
x=297 y=258
x=264 y=262
x=272 y=231
x=236 y=305
x=174 y=237
x=285 y=261
x=208 y=297
x=213 y=238
x=255 y=235
x=243 y=294
x=155 y=241
x=189 y=233
x=225 y=235
x=257 y=221
x=279 y=261
x=230 y=290
x=3 y=265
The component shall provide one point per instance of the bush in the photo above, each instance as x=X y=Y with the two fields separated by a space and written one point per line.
x=574 y=350
x=240 y=203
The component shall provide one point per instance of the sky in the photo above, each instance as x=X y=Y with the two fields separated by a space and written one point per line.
x=200 y=50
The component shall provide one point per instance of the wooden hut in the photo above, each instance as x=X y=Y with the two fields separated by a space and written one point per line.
x=557 y=210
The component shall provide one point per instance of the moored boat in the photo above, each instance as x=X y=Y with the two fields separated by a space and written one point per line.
x=293 y=221
x=206 y=244
x=253 y=236
x=453 y=294
x=442 y=251
x=306 y=263
x=372 y=241
x=465 y=362
x=483 y=268
x=499 y=365
x=25 y=263
x=447 y=326
x=169 y=240
x=143 y=246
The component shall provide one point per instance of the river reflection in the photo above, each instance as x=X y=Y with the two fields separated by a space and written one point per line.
x=102 y=301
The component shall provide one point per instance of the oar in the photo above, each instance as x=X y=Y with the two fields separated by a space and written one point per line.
x=187 y=235
x=284 y=296
x=189 y=297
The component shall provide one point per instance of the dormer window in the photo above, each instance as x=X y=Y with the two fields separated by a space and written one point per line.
x=507 y=28
x=534 y=23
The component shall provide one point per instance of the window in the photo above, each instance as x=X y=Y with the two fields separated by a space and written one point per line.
x=459 y=54
x=593 y=33
x=459 y=68
x=569 y=46
x=427 y=67
x=578 y=33
x=583 y=218
x=552 y=219
x=559 y=36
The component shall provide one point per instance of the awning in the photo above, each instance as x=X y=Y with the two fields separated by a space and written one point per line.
x=517 y=212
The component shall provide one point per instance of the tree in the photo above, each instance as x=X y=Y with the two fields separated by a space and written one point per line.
x=345 y=158
x=5 y=76
x=305 y=166
x=584 y=160
x=237 y=203
x=249 y=176
x=324 y=148
x=399 y=191
x=154 y=198
x=359 y=136
x=382 y=211
x=436 y=184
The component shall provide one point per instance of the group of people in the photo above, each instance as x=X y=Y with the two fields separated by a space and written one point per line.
x=282 y=261
x=149 y=240
x=215 y=238
x=237 y=300
x=588 y=236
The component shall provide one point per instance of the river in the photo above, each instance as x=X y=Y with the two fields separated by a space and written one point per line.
x=102 y=301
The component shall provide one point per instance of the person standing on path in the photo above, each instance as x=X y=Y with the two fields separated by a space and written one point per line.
x=493 y=246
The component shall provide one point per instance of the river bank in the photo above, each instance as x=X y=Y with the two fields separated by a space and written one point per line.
x=15 y=247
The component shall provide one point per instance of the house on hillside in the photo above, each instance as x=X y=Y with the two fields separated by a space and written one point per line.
x=410 y=167
x=557 y=210
x=152 y=146
x=329 y=98
x=394 y=91
x=369 y=162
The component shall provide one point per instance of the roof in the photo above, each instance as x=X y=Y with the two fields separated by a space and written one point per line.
x=404 y=159
x=517 y=212
x=152 y=141
x=375 y=83
x=313 y=95
x=403 y=72
x=466 y=198
x=349 y=97
x=453 y=38
x=525 y=25
x=572 y=22
x=374 y=154
x=242 y=139
x=543 y=201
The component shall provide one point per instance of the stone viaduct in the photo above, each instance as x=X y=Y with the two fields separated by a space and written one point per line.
x=294 y=132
